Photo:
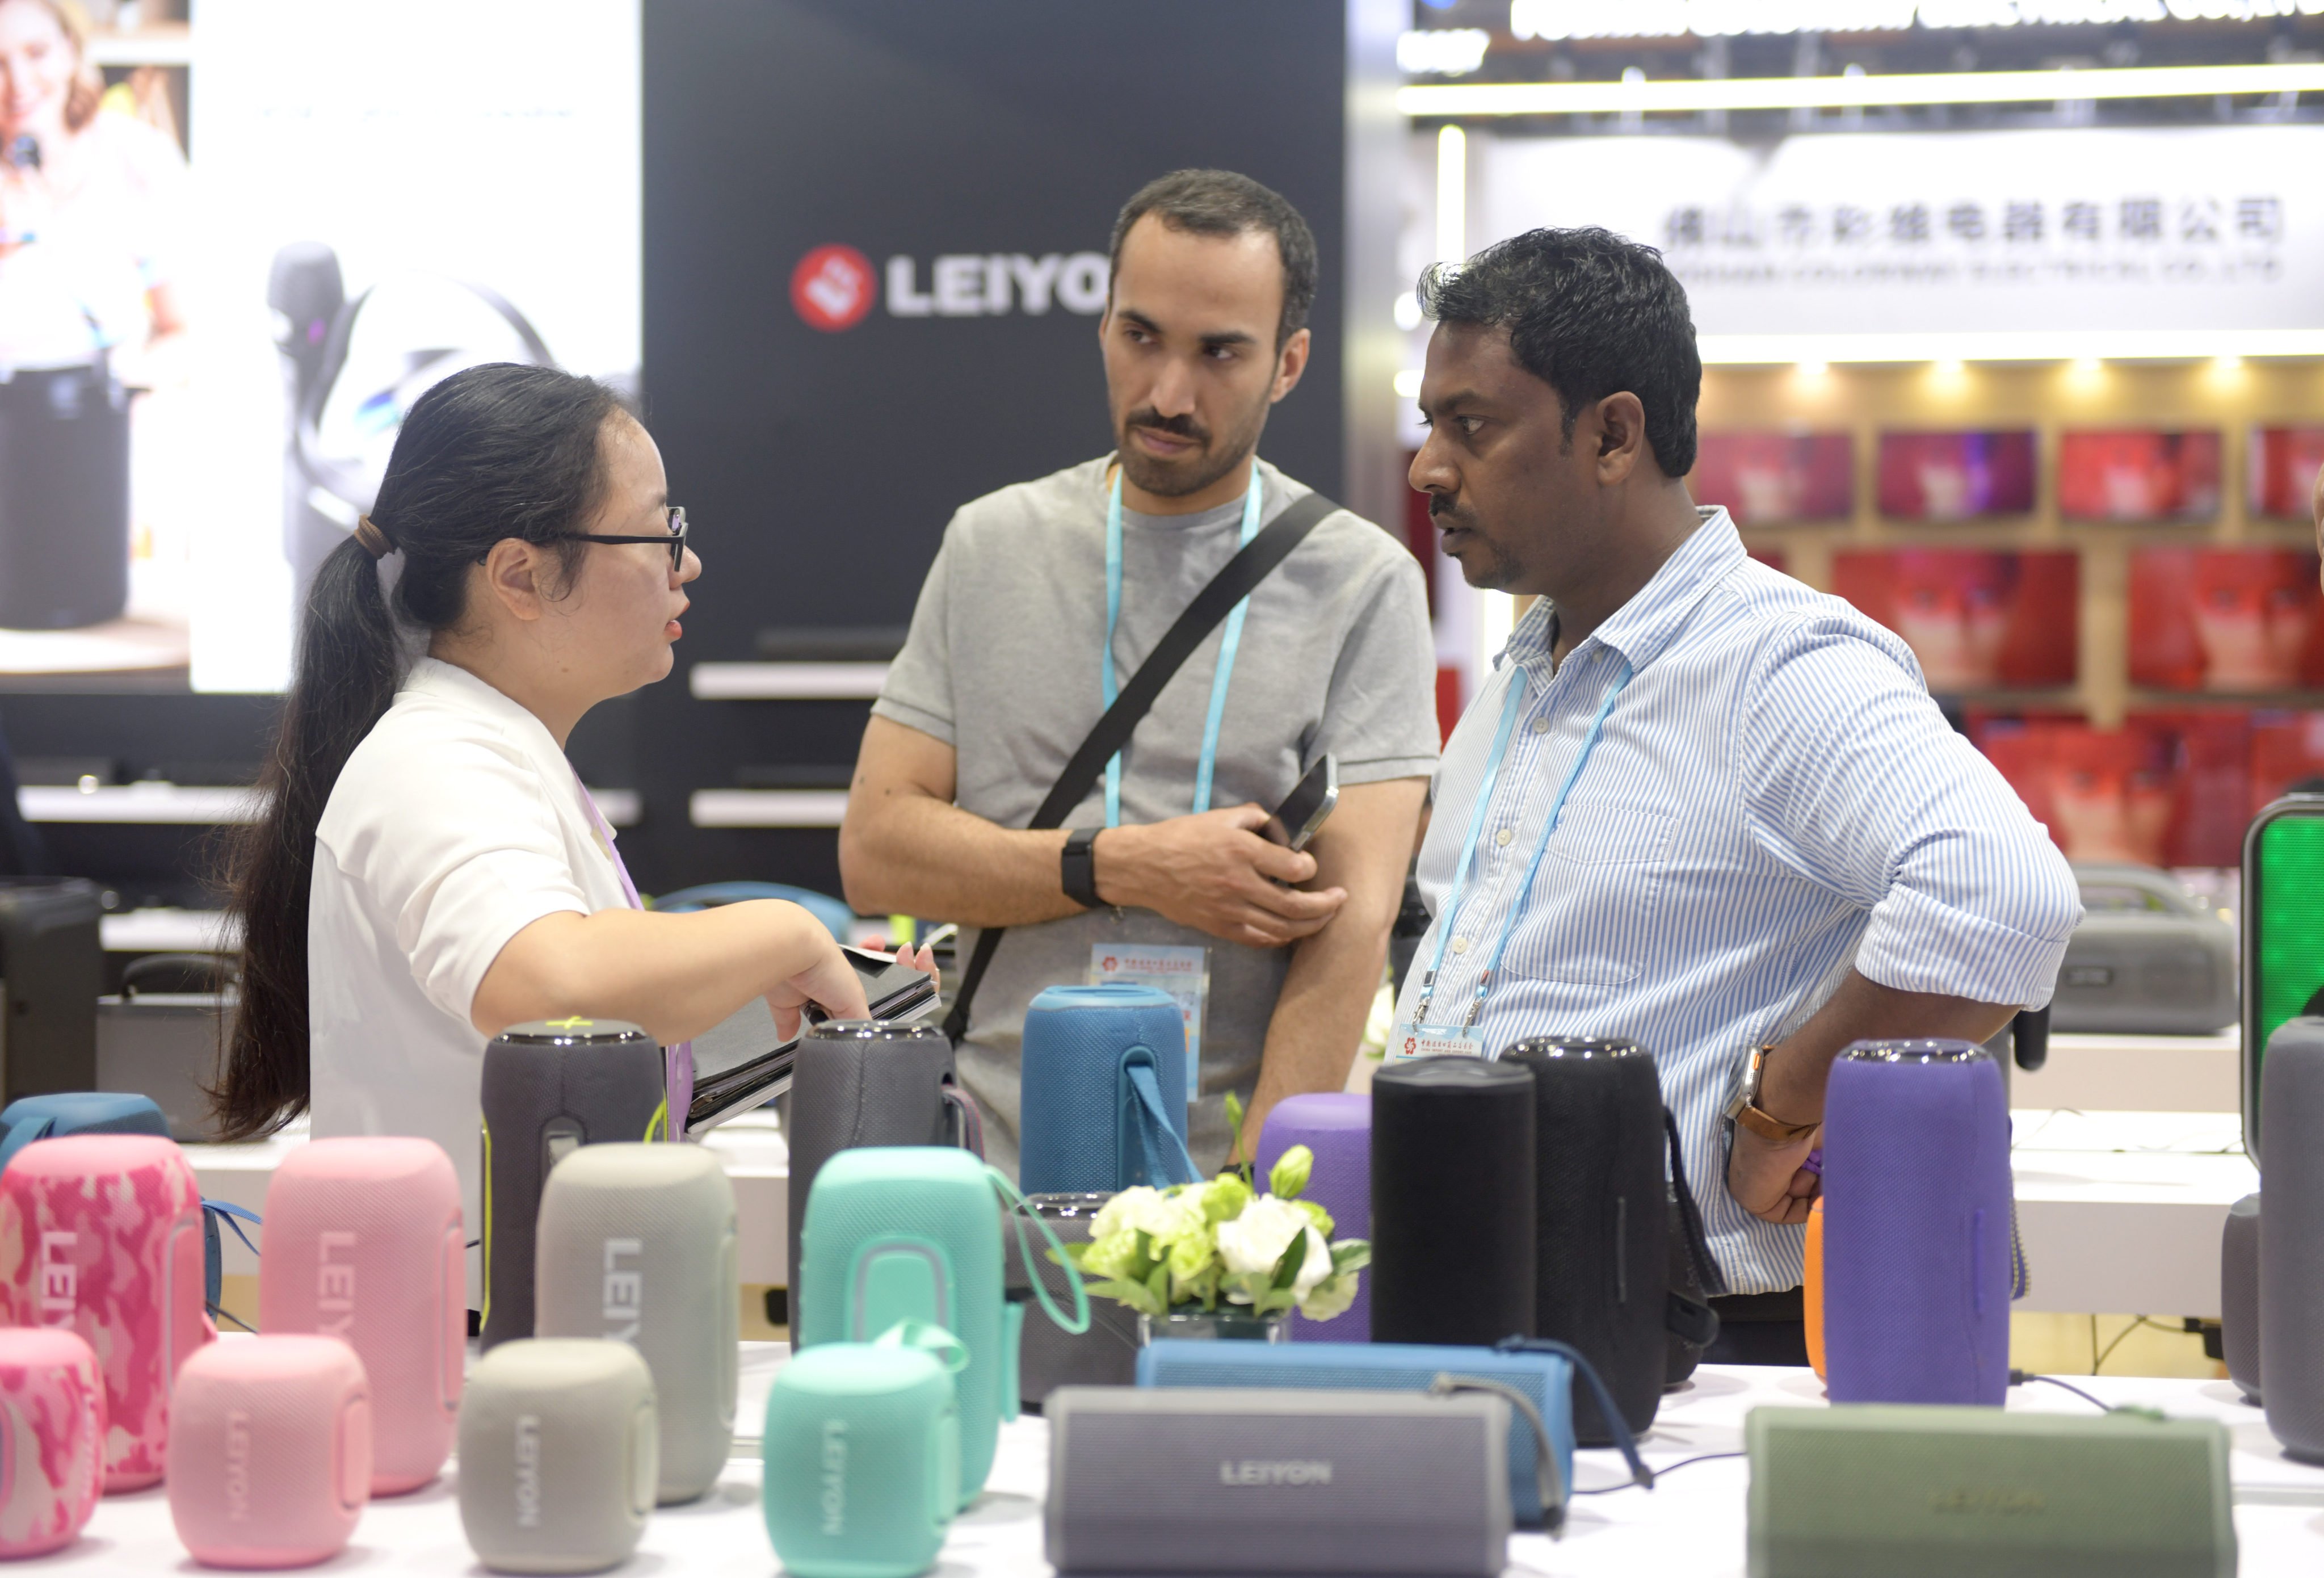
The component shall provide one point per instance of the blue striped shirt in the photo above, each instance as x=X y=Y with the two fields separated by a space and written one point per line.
x=1773 y=798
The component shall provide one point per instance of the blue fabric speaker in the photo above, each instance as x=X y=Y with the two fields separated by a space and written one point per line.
x=1918 y=1251
x=1105 y=1091
x=30 y=1118
x=1546 y=1379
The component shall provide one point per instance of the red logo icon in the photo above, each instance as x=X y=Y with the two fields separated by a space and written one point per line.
x=1111 y=963
x=832 y=288
x=1410 y=1046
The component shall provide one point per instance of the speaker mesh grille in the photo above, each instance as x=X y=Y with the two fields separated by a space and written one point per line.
x=1073 y=1042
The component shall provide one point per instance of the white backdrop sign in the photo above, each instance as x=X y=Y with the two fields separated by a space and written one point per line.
x=2218 y=227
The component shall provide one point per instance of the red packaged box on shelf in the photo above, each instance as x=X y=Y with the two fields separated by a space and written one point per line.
x=2282 y=472
x=2138 y=475
x=2167 y=789
x=2226 y=620
x=1776 y=479
x=1955 y=476
x=1976 y=621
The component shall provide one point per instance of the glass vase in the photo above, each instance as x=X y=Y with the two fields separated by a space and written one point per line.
x=1222 y=1324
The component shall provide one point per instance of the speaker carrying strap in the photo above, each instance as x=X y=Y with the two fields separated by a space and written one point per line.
x=1624 y=1442
x=1013 y=1204
x=967 y=1119
x=1549 y=1487
x=1164 y=1163
x=1697 y=1245
x=1241 y=575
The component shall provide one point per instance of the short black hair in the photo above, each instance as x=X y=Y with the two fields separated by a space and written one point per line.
x=1218 y=202
x=1590 y=314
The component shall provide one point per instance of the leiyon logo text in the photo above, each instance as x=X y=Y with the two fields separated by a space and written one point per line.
x=833 y=288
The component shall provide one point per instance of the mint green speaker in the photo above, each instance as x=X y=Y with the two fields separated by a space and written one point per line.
x=1909 y=1491
x=861 y=1457
x=913 y=1233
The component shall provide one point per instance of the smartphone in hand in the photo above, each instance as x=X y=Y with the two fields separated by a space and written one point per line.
x=1305 y=808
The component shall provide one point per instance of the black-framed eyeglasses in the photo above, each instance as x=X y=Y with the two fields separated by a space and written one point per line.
x=676 y=540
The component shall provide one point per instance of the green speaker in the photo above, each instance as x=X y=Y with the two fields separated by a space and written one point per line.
x=1904 y=1491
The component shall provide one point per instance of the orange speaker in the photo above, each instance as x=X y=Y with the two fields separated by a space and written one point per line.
x=1811 y=1287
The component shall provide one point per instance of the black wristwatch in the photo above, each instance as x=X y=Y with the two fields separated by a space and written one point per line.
x=1077 y=867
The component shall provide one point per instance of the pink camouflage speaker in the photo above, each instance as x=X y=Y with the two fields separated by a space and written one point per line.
x=51 y=1439
x=270 y=1450
x=363 y=1242
x=101 y=1234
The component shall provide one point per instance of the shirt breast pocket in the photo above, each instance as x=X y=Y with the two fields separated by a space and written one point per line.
x=1597 y=903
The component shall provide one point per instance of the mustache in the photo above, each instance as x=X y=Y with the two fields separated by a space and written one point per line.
x=1447 y=512
x=1183 y=426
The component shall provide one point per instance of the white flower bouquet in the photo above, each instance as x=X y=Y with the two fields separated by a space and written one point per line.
x=1189 y=1246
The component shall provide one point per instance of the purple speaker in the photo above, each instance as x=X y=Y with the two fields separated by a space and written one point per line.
x=1918 y=1254
x=1338 y=1128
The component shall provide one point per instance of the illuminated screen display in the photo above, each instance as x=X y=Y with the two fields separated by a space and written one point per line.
x=234 y=253
x=2287 y=941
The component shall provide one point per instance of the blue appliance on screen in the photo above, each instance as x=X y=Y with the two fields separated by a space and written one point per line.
x=1105 y=1091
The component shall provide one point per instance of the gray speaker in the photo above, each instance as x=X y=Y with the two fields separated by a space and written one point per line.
x=1049 y=1356
x=557 y=1455
x=1195 y=1481
x=636 y=1242
x=2292 y=1236
x=860 y=1082
x=2239 y=1296
x=548 y=1088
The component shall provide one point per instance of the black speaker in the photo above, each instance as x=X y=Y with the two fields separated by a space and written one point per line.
x=1452 y=1202
x=64 y=498
x=1601 y=1218
x=52 y=970
x=1049 y=1356
x=860 y=1082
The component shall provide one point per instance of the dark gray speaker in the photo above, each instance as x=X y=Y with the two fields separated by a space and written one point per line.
x=2239 y=1296
x=860 y=1082
x=550 y=1087
x=52 y=970
x=2292 y=1236
x=1049 y=1356
x=1197 y=1481
x=1452 y=1202
x=1601 y=1204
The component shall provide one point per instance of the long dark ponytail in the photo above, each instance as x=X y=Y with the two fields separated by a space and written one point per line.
x=494 y=451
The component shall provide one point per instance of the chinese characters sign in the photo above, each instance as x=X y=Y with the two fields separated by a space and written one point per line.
x=1968 y=231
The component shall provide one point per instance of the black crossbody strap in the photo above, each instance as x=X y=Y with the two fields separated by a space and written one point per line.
x=1235 y=581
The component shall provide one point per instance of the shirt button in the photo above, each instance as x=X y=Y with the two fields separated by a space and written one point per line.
x=1541 y=726
x=1460 y=944
x=1503 y=836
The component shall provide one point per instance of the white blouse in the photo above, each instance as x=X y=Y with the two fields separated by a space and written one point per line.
x=456 y=823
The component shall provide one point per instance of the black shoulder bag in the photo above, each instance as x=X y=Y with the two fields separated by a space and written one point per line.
x=1250 y=564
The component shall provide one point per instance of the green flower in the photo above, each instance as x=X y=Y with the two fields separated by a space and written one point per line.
x=1190 y=1254
x=1290 y=1173
x=1225 y=1197
x=1330 y=1297
x=1113 y=1255
x=1317 y=1214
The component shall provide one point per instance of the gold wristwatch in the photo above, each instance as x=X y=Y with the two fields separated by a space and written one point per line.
x=1743 y=1106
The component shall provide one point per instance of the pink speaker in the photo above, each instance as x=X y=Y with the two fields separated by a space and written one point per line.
x=363 y=1242
x=51 y=1439
x=270 y=1452
x=101 y=1234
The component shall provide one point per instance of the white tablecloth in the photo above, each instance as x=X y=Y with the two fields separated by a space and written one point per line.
x=1690 y=1524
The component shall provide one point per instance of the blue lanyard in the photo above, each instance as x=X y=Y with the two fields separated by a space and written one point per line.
x=1451 y=913
x=1228 y=646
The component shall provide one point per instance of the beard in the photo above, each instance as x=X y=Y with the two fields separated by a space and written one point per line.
x=1219 y=452
x=1482 y=563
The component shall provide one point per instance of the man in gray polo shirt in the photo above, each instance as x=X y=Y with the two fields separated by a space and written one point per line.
x=1002 y=677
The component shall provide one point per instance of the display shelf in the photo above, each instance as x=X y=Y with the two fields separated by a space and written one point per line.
x=162 y=43
x=169 y=931
x=767 y=807
x=786 y=681
x=198 y=804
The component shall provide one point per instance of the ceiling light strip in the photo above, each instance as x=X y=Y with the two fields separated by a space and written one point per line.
x=2034 y=345
x=1688 y=95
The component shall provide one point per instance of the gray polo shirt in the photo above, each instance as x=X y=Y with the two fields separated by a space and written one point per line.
x=1002 y=665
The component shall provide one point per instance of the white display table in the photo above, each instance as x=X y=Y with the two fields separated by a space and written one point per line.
x=1692 y=1523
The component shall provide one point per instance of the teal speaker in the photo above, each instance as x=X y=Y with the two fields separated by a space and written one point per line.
x=1912 y=1492
x=914 y=1233
x=861 y=1457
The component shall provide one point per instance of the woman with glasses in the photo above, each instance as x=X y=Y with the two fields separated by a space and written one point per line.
x=429 y=868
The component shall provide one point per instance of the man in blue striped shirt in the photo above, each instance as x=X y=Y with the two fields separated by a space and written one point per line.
x=1697 y=804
